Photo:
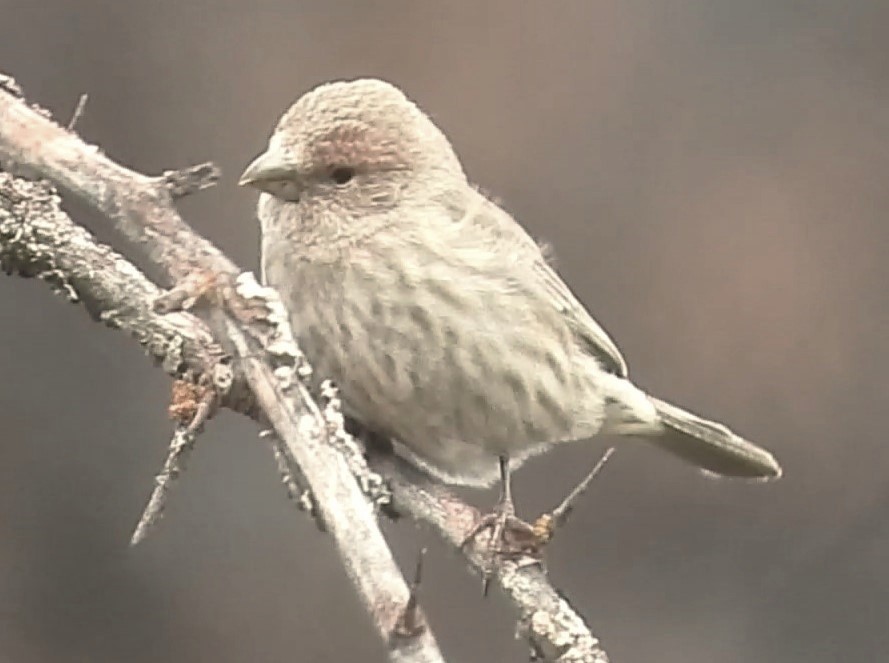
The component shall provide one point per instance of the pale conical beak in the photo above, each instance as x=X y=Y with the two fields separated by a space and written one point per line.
x=267 y=167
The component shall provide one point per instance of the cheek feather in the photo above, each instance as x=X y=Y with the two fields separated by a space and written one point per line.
x=285 y=190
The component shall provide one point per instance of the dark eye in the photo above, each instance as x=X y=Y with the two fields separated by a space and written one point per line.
x=342 y=174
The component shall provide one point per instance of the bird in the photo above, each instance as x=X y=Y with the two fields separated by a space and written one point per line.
x=441 y=320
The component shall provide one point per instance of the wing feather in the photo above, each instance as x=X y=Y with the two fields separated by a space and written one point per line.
x=504 y=232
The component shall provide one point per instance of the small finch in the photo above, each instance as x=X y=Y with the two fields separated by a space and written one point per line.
x=435 y=313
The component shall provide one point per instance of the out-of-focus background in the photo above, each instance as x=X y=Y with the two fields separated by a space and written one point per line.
x=713 y=178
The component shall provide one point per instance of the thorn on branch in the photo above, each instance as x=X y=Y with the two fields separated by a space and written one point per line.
x=186 y=181
x=78 y=111
x=411 y=622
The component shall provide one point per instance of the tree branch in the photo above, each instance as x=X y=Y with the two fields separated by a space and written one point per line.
x=38 y=239
x=142 y=209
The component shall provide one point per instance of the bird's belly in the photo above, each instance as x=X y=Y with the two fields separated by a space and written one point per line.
x=456 y=379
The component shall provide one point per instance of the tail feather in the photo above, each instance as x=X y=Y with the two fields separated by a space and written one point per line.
x=711 y=446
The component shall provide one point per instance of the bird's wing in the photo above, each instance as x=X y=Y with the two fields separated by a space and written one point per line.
x=511 y=236
x=597 y=341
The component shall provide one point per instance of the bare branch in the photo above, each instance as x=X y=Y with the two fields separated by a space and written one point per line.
x=37 y=239
x=554 y=629
x=142 y=210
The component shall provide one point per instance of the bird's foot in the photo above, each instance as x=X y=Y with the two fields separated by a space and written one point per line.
x=509 y=538
x=514 y=539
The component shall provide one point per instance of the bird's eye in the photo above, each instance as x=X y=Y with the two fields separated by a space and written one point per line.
x=342 y=174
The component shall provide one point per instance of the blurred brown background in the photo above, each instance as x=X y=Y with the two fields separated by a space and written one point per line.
x=712 y=175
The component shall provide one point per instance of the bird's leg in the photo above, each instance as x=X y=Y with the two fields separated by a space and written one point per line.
x=511 y=537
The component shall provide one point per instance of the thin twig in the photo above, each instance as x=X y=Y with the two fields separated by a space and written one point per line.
x=562 y=512
x=181 y=446
x=192 y=406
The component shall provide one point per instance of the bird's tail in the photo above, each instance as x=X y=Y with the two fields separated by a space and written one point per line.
x=710 y=445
